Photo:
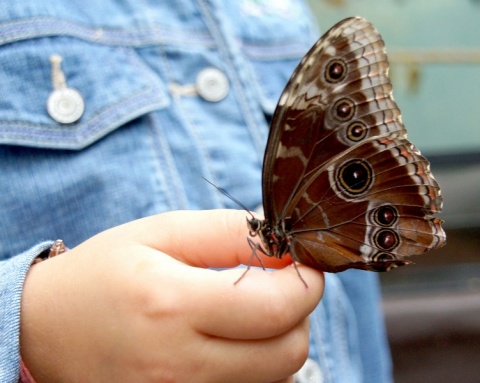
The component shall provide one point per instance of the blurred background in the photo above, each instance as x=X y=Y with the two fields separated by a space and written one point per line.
x=433 y=308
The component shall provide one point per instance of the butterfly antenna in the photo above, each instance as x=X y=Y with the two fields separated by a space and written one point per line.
x=226 y=194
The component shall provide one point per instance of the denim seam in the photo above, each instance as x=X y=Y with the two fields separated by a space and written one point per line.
x=264 y=52
x=237 y=74
x=37 y=27
x=85 y=134
x=166 y=169
x=193 y=129
x=50 y=26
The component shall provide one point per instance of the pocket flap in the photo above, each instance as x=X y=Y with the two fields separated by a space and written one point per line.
x=116 y=86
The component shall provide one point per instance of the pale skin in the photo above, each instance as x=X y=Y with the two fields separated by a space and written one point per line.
x=137 y=303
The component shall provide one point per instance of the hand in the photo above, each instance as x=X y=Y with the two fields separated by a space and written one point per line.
x=137 y=304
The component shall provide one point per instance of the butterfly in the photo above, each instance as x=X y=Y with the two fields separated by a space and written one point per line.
x=343 y=187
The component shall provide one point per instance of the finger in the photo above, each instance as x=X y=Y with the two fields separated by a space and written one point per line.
x=269 y=360
x=263 y=304
x=208 y=238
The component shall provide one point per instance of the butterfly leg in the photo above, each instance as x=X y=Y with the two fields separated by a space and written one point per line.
x=299 y=275
x=254 y=246
x=257 y=247
x=292 y=254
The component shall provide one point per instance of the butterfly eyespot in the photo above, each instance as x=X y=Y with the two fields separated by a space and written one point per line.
x=383 y=257
x=355 y=176
x=386 y=239
x=386 y=215
x=336 y=71
x=356 y=131
x=344 y=109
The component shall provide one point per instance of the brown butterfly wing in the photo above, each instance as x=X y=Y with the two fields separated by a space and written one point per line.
x=340 y=177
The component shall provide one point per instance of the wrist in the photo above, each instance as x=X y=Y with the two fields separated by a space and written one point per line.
x=33 y=292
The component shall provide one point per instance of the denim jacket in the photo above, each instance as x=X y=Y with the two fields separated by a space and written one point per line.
x=172 y=91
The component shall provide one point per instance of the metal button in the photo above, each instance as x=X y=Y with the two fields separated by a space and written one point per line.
x=309 y=373
x=212 y=84
x=65 y=105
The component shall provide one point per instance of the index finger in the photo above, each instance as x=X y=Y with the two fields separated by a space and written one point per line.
x=205 y=238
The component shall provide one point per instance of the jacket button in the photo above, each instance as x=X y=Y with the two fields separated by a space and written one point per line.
x=309 y=373
x=212 y=84
x=65 y=105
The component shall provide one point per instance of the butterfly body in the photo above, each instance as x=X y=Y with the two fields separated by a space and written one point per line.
x=343 y=187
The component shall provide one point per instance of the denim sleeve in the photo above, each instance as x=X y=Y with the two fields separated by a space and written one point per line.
x=12 y=276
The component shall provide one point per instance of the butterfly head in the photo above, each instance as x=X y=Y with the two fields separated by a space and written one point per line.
x=254 y=226
x=275 y=240
x=263 y=230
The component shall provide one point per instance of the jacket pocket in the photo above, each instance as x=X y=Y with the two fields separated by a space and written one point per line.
x=114 y=82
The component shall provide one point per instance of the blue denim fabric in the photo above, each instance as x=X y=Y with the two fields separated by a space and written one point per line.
x=12 y=275
x=141 y=149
